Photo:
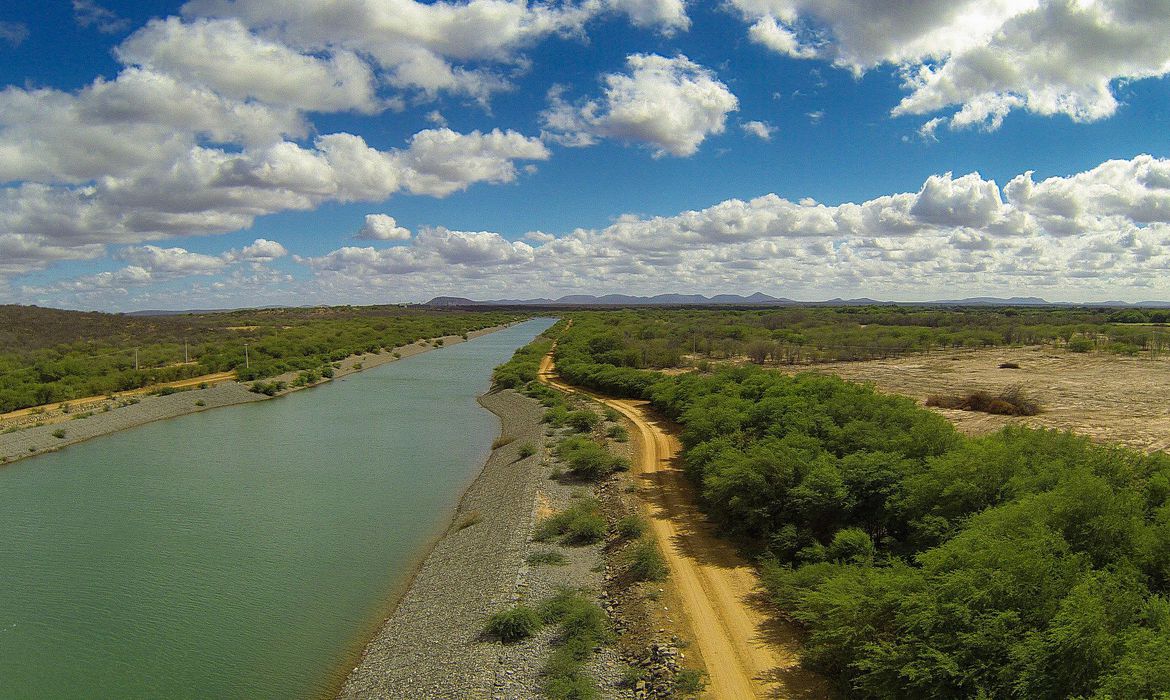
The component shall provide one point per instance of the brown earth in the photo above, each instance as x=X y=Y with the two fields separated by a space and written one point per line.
x=1106 y=397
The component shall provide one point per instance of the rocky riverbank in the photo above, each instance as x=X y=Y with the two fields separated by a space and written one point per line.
x=433 y=645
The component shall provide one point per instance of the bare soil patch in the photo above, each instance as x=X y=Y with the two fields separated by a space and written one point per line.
x=1108 y=398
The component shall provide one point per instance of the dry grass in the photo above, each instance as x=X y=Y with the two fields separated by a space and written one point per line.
x=1012 y=401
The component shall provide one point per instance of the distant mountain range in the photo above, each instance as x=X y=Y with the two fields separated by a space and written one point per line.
x=761 y=299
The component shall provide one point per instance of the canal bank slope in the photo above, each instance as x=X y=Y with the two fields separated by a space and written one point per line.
x=430 y=646
x=23 y=437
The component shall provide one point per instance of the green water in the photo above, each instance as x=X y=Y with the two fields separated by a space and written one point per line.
x=242 y=552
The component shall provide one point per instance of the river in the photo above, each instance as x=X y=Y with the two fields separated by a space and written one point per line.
x=245 y=552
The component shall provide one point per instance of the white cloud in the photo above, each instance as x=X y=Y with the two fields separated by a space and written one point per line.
x=88 y=13
x=668 y=15
x=1103 y=232
x=380 y=227
x=225 y=57
x=759 y=129
x=433 y=47
x=210 y=190
x=669 y=104
x=171 y=260
x=983 y=58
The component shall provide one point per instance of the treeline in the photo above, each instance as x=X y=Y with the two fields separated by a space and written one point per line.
x=48 y=355
x=922 y=563
x=661 y=338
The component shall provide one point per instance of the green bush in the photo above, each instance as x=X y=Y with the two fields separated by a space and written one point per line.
x=587 y=460
x=580 y=524
x=644 y=561
x=514 y=624
x=688 y=682
x=631 y=526
x=583 y=626
x=851 y=546
x=617 y=433
x=59 y=434
x=556 y=416
x=527 y=450
x=547 y=558
x=583 y=421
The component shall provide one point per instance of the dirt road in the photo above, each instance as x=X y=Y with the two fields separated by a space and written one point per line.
x=747 y=653
x=49 y=411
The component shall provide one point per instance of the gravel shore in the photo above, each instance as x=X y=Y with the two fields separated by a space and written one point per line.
x=430 y=647
x=133 y=409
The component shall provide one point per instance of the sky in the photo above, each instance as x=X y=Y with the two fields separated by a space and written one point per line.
x=233 y=153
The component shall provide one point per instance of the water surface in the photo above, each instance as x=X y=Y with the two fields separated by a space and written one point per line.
x=241 y=552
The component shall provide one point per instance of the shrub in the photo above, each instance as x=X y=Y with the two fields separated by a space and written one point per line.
x=612 y=414
x=59 y=434
x=618 y=433
x=688 y=682
x=1081 y=344
x=586 y=459
x=512 y=625
x=501 y=441
x=631 y=526
x=200 y=402
x=547 y=558
x=327 y=372
x=851 y=546
x=527 y=450
x=267 y=388
x=1013 y=401
x=556 y=416
x=580 y=524
x=583 y=626
x=644 y=562
x=583 y=421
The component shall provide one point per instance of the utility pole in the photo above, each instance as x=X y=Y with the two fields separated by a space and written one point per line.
x=247 y=363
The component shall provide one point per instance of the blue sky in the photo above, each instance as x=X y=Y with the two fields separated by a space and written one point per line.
x=222 y=154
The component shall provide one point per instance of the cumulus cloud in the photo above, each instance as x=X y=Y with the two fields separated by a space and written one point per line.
x=212 y=190
x=380 y=227
x=759 y=129
x=432 y=47
x=1105 y=231
x=981 y=58
x=669 y=16
x=152 y=265
x=669 y=104
x=224 y=56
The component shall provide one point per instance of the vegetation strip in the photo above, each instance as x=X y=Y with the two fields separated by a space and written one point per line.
x=922 y=563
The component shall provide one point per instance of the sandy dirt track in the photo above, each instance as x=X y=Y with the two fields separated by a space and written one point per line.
x=747 y=652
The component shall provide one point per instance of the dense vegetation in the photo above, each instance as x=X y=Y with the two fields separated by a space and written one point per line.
x=48 y=355
x=1030 y=564
x=656 y=338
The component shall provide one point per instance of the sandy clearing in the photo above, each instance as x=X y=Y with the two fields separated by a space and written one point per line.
x=746 y=651
x=1109 y=398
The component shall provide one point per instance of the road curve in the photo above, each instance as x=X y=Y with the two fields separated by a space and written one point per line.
x=747 y=652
